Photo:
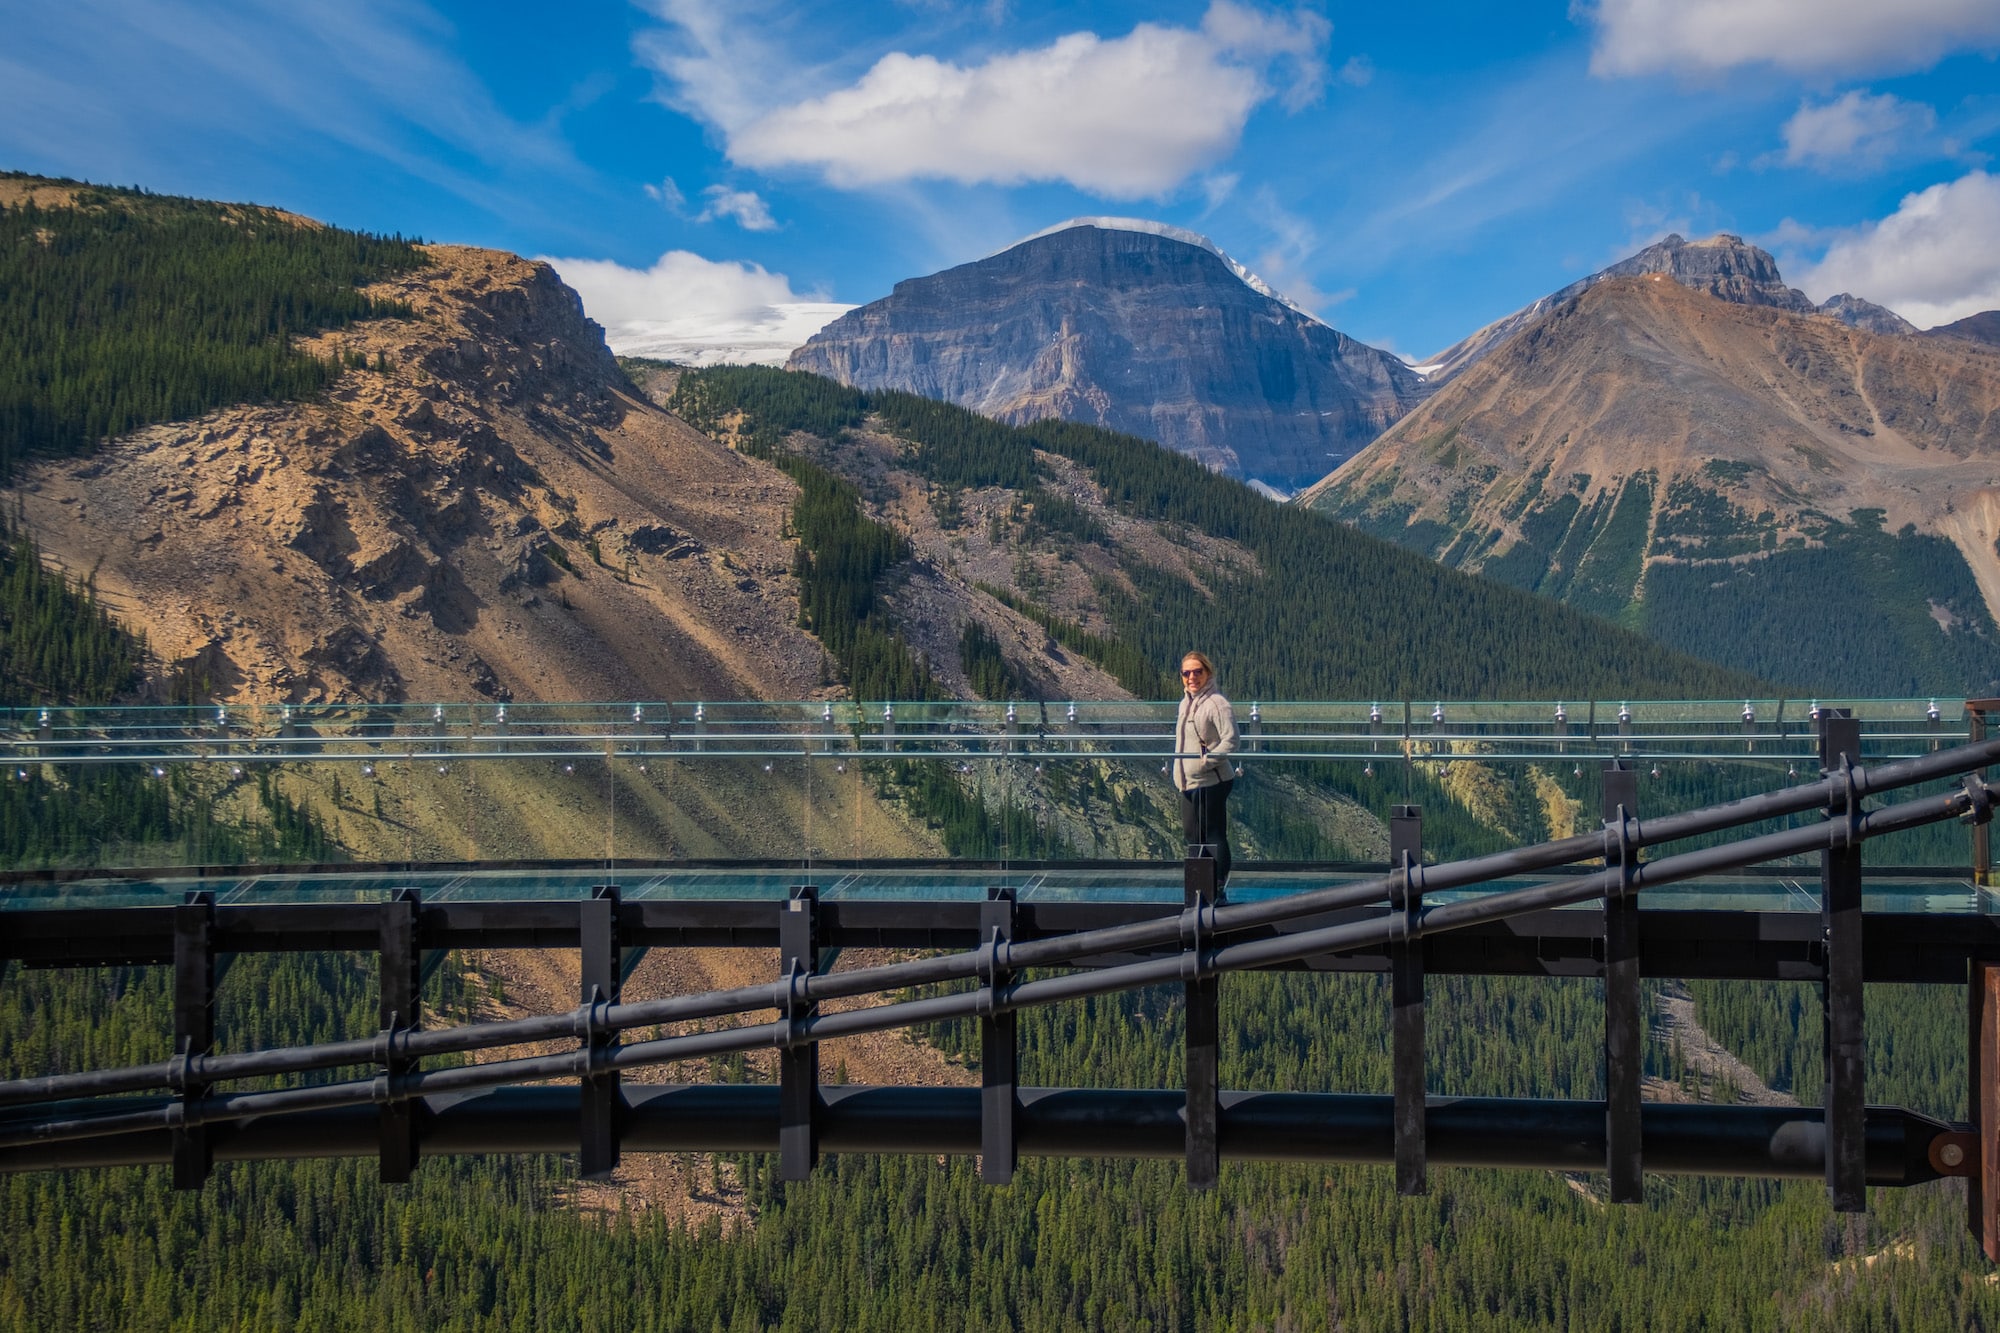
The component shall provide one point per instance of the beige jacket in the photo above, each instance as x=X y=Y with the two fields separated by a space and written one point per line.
x=1206 y=730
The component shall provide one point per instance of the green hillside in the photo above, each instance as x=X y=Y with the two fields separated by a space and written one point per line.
x=1328 y=613
x=1849 y=610
x=127 y=308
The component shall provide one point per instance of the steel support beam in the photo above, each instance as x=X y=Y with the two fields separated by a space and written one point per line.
x=798 y=1066
x=1624 y=1024
x=402 y=989
x=1689 y=1138
x=601 y=979
x=194 y=1028
x=1406 y=1001
x=1204 y=1036
x=999 y=1052
x=1840 y=918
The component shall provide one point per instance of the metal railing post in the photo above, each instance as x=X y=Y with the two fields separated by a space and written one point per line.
x=798 y=1066
x=1624 y=1025
x=194 y=1028
x=999 y=1055
x=1840 y=920
x=1982 y=833
x=601 y=981
x=1406 y=999
x=402 y=988
x=1204 y=1033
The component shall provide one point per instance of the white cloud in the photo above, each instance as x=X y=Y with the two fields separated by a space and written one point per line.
x=667 y=193
x=1856 y=131
x=702 y=311
x=750 y=212
x=1934 y=260
x=1358 y=72
x=1126 y=117
x=1802 y=36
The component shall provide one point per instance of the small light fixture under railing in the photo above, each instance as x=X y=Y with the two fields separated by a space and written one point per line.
x=1933 y=712
x=1374 y=715
x=1624 y=713
x=638 y=714
x=1562 y=714
x=1749 y=713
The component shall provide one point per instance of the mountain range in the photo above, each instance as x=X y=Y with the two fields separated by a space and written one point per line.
x=1739 y=478
x=1137 y=328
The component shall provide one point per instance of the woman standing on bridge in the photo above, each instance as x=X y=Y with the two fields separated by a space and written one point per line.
x=1204 y=737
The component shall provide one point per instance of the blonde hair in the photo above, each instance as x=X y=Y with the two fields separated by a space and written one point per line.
x=1194 y=655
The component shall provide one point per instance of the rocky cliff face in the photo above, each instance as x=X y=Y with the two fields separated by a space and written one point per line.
x=1135 y=331
x=1711 y=471
x=1723 y=266
x=489 y=509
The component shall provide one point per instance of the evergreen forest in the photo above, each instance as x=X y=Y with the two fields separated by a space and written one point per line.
x=128 y=308
x=1327 y=613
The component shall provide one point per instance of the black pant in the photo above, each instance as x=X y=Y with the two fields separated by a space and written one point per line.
x=1205 y=821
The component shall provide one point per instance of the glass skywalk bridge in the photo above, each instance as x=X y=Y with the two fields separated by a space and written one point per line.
x=366 y=735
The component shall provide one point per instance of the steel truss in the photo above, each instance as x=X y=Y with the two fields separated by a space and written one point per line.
x=1048 y=953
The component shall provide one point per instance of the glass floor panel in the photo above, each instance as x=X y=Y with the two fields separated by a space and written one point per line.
x=1735 y=893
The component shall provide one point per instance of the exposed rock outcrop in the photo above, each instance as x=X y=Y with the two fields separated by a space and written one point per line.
x=491 y=512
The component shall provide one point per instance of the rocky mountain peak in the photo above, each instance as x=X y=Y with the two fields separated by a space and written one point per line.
x=1134 y=326
x=1724 y=266
x=1851 y=310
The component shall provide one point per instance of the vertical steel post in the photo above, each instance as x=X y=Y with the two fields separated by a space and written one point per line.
x=1406 y=1001
x=999 y=1055
x=402 y=989
x=1624 y=1025
x=1840 y=920
x=194 y=1027
x=798 y=1066
x=1204 y=1033
x=1982 y=1192
x=601 y=980
x=1982 y=833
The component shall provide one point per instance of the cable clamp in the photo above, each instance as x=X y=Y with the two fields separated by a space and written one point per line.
x=986 y=1005
x=1979 y=801
x=1406 y=896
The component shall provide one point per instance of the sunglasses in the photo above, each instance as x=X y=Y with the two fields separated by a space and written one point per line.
x=1195 y=671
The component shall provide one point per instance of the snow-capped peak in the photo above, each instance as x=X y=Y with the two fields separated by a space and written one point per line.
x=1172 y=233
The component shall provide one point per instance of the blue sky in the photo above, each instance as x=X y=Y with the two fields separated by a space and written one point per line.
x=727 y=173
